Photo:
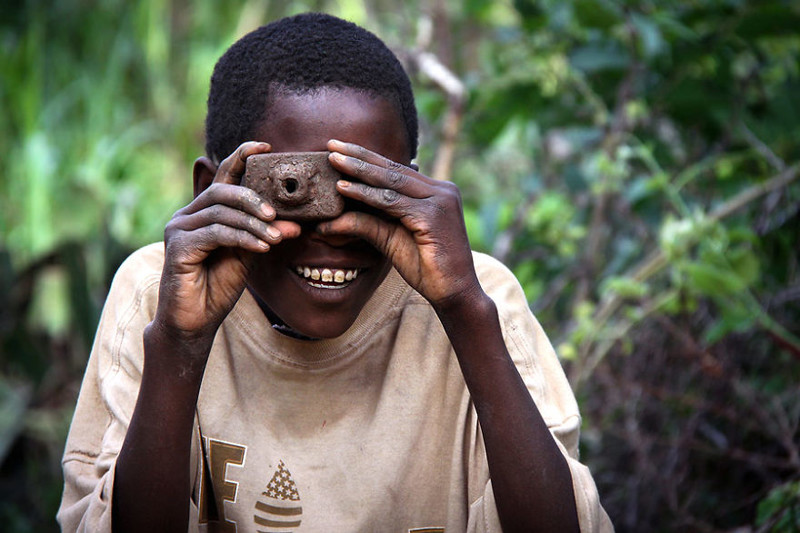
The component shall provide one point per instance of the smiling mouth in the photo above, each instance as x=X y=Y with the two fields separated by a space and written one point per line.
x=327 y=278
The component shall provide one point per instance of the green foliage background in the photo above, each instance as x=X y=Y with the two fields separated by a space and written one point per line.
x=635 y=163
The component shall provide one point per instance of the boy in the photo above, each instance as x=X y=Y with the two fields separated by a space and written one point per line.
x=257 y=374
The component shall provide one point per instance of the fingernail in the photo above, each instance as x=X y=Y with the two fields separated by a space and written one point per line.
x=343 y=184
x=268 y=211
x=273 y=232
x=337 y=156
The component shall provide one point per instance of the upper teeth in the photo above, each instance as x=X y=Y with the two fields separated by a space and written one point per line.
x=327 y=275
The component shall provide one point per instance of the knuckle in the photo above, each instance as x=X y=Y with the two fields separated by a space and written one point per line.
x=361 y=167
x=250 y=198
x=214 y=213
x=389 y=196
x=394 y=165
x=395 y=178
x=451 y=188
x=213 y=189
x=243 y=149
x=256 y=226
x=452 y=194
x=171 y=227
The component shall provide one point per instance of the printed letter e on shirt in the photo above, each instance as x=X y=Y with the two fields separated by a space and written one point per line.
x=215 y=489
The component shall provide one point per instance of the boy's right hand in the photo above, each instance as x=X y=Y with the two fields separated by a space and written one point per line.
x=208 y=251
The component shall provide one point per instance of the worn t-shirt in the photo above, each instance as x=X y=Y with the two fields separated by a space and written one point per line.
x=370 y=431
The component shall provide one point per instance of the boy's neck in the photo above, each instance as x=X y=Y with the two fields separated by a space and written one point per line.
x=277 y=324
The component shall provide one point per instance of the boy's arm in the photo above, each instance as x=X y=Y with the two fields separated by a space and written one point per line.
x=208 y=245
x=427 y=243
x=531 y=479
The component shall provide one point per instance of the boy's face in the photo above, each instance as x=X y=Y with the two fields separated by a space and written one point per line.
x=304 y=123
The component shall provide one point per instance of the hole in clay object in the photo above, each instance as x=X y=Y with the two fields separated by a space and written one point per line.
x=290 y=185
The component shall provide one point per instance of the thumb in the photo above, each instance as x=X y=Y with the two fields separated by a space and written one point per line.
x=232 y=168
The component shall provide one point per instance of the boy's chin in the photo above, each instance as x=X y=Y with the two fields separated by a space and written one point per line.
x=321 y=326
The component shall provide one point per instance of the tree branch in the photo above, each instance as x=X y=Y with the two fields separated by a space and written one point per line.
x=657 y=261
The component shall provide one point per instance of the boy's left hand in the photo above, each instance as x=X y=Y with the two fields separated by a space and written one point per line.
x=425 y=239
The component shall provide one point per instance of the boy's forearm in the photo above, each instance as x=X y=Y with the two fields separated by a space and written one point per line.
x=530 y=477
x=152 y=479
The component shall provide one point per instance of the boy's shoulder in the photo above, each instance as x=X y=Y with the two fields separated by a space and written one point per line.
x=497 y=280
x=141 y=270
x=144 y=261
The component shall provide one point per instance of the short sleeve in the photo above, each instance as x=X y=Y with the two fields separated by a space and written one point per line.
x=108 y=394
x=537 y=363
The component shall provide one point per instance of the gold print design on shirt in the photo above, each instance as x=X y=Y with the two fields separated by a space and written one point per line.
x=278 y=508
x=211 y=506
x=426 y=530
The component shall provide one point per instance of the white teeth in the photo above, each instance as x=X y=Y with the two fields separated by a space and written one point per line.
x=338 y=276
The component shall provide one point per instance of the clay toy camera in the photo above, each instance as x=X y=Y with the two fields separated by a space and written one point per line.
x=299 y=185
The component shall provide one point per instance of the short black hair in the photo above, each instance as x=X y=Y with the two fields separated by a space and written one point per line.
x=300 y=53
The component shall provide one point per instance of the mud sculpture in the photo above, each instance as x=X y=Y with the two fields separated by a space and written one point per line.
x=300 y=186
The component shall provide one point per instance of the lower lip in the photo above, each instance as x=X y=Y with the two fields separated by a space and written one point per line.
x=322 y=291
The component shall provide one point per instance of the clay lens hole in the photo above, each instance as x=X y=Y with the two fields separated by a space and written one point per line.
x=290 y=185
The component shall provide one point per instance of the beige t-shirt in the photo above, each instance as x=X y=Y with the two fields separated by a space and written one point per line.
x=371 y=431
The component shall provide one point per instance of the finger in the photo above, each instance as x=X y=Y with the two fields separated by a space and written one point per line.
x=211 y=237
x=288 y=229
x=232 y=167
x=234 y=196
x=194 y=246
x=388 y=201
x=228 y=216
x=215 y=236
x=377 y=170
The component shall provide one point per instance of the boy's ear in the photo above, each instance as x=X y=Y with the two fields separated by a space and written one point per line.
x=203 y=174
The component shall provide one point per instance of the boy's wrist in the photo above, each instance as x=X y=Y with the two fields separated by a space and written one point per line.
x=174 y=351
x=469 y=303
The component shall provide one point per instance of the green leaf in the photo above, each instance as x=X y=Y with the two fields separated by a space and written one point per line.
x=769 y=19
x=781 y=507
x=712 y=280
x=600 y=57
x=745 y=264
x=597 y=14
x=624 y=287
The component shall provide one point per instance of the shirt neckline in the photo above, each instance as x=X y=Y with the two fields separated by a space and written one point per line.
x=248 y=319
